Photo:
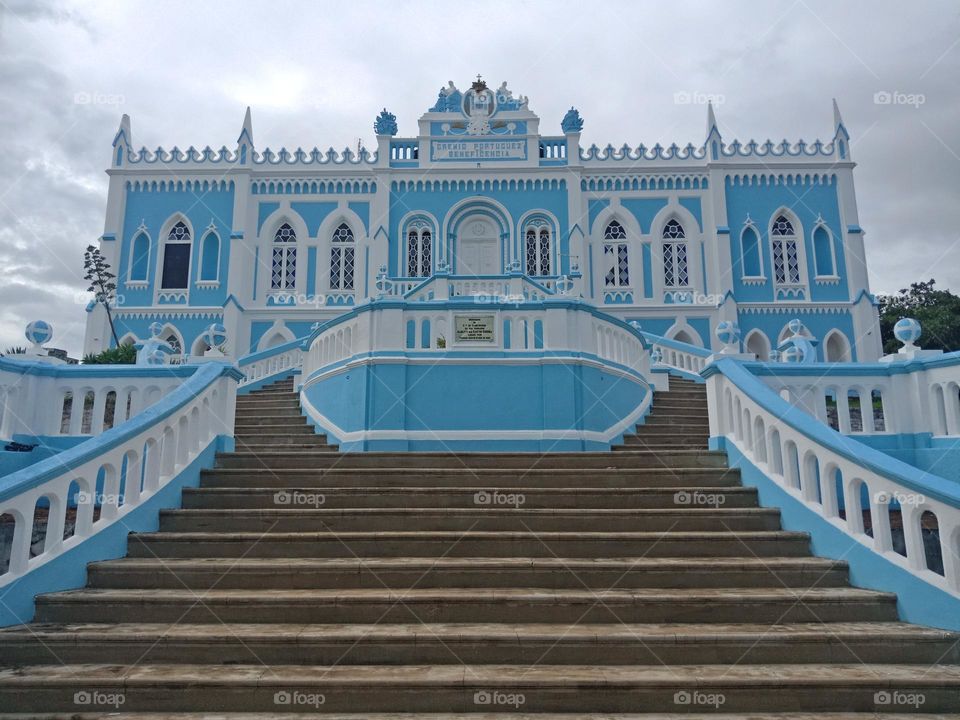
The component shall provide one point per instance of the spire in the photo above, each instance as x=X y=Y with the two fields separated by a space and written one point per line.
x=711 y=121
x=123 y=132
x=838 y=126
x=714 y=142
x=246 y=133
x=122 y=141
x=841 y=138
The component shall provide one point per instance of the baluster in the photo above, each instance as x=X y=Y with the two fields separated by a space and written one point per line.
x=843 y=411
x=916 y=555
x=99 y=406
x=880 y=515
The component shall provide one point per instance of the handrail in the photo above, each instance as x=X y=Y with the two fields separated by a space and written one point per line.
x=676 y=344
x=119 y=469
x=802 y=454
x=286 y=357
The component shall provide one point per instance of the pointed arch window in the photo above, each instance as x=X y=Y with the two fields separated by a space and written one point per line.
x=676 y=268
x=210 y=257
x=283 y=275
x=342 y=250
x=176 y=258
x=139 y=258
x=823 y=252
x=750 y=263
x=616 y=256
x=419 y=248
x=786 y=258
x=537 y=251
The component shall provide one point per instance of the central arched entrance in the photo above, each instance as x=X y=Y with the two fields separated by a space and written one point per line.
x=478 y=247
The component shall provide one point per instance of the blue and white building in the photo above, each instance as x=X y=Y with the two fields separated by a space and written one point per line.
x=270 y=243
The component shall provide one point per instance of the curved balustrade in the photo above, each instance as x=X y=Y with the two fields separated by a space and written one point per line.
x=78 y=399
x=678 y=355
x=275 y=361
x=827 y=472
x=109 y=476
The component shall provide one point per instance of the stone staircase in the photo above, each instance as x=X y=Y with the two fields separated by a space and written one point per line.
x=645 y=582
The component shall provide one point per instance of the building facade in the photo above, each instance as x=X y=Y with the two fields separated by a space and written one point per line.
x=677 y=238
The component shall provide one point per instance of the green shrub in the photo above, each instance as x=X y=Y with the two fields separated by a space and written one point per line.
x=121 y=355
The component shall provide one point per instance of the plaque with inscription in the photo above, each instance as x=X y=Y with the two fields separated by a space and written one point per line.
x=474 y=328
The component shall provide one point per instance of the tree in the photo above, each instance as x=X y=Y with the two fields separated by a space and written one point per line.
x=937 y=311
x=102 y=285
x=119 y=355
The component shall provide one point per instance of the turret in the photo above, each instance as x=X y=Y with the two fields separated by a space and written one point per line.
x=245 y=141
x=714 y=142
x=841 y=138
x=122 y=141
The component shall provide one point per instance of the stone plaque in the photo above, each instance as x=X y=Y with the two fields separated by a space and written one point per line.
x=474 y=328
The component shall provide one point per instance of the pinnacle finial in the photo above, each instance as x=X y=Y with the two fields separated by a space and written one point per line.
x=124 y=131
x=837 y=120
x=246 y=132
x=711 y=120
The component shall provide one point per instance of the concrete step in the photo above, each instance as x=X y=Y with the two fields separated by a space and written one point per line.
x=641 y=458
x=481 y=572
x=304 y=513
x=472 y=688
x=478 y=644
x=463 y=497
x=336 y=475
x=511 y=715
x=252 y=420
x=244 y=414
x=649 y=439
x=469 y=544
x=685 y=419
x=458 y=605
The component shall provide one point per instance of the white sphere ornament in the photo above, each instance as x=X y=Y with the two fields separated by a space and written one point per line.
x=907 y=331
x=728 y=332
x=792 y=354
x=39 y=332
x=155 y=356
x=795 y=326
x=155 y=329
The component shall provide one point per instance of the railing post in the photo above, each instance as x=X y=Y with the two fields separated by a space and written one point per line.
x=843 y=410
x=916 y=556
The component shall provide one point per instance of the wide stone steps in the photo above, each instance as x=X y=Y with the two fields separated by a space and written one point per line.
x=455 y=586
x=472 y=479
x=469 y=544
x=459 y=605
x=469 y=688
x=697 y=458
x=531 y=497
x=476 y=643
x=481 y=572
x=305 y=518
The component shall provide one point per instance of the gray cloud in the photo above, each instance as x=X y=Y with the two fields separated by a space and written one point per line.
x=318 y=74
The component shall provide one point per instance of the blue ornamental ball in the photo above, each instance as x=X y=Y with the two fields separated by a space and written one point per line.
x=155 y=329
x=215 y=335
x=728 y=332
x=774 y=356
x=656 y=356
x=39 y=332
x=795 y=326
x=907 y=331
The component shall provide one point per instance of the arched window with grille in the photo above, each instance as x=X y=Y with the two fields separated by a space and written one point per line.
x=342 y=250
x=616 y=256
x=786 y=258
x=676 y=267
x=283 y=275
x=537 y=250
x=419 y=248
x=176 y=258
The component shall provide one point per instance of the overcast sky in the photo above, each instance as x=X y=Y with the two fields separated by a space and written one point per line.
x=316 y=74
